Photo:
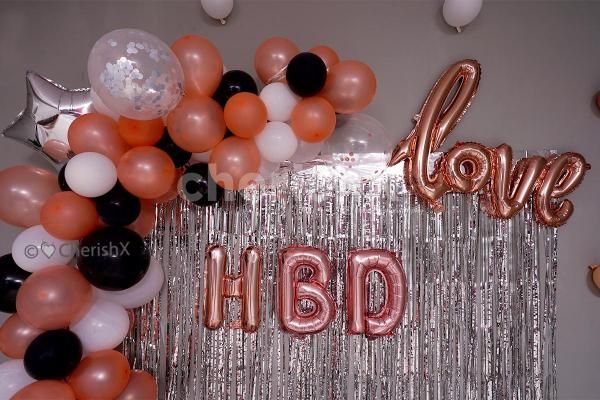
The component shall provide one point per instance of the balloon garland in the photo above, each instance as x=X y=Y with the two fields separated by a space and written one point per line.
x=131 y=142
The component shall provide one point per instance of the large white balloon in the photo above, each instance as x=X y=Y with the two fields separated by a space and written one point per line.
x=90 y=174
x=459 y=13
x=217 y=9
x=277 y=142
x=103 y=327
x=13 y=378
x=279 y=100
x=135 y=74
x=35 y=249
x=142 y=292
x=306 y=151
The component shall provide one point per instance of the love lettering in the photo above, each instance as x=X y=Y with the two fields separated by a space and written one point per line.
x=291 y=289
x=472 y=167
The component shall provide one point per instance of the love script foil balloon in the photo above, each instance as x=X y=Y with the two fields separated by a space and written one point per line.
x=49 y=111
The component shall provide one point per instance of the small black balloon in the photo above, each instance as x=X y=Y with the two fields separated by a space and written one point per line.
x=179 y=156
x=232 y=83
x=11 y=279
x=53 y=355
x=199 y=187
x=62 y=181
x=113 y=258
x=306 y=74
x=118 y=207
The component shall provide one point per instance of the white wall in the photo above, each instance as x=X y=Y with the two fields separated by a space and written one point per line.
x=541 y=68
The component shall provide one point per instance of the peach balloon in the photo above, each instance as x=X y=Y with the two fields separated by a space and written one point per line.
x=201 y=62
x=327 y=54
x=196 y=124
x=141 y=132
x=146 y=172
x=144 y=223
x=15 y=336
x=99 y=134
x=45 y=390
x=23 y=191
x=234 y=163
x=141 y=386
x=272 y=57
x=350 y=86
x=313 y=119
x=68 y=216
x=173 y=190
x=101 y=375
x=245 y=115
x=54 y=297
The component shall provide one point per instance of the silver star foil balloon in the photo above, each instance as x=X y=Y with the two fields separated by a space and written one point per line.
x=50 y=110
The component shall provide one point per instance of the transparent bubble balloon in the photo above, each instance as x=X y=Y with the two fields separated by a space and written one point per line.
x=135 y=74
x=359 y=148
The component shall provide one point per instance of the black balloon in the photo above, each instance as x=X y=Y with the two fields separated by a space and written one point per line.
x=113 y=258
x=232 y=83
x=306 y=74
x=199 y=187
x=179 y=156
x=11 y=279
x=62 y=181
x=53 y=355
x=118 y=207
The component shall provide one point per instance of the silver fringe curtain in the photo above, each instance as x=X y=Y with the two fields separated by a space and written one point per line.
x=479 y=324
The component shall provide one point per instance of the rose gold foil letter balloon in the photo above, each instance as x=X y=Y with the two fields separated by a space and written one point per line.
x=245 y=286
x=272 y=57
x=23 y=191
x=467 y=167
x=360 y=264
x=561 y=176
x=292 y=290
x=434 y=124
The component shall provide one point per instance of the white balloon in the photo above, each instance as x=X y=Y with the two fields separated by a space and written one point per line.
x=100 y=107
x=140 y=293
x=103 y=327
x=217 y=9
x=277 y=142
x=279 y=100
x=13 y=378
x=90 y=174
x=35 y=249
x=306 y=151
x=458 y=13
x=135 y=74
x=201 y=157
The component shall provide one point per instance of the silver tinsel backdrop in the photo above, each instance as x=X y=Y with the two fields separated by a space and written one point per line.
x=479 y=324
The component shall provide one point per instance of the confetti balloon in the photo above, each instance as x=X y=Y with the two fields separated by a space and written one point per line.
x=135 y=74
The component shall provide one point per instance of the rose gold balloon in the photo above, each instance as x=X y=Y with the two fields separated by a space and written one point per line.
x=99 y=134
x=68 y=216
x=23 y=191
x=173 y=191
x=15 y=336
x=272 y=57
x=327 y=54
x=234 y=163
x=467 y=167
x=196 y=124
x=245 y=115
x=141 y=386
x=220 y=286
x=45 y=390
x=201 y=62
x=146 y=172
x=350 y=86
x=101 y=375
x=56 y=150
x=360 y=264
x=54 y=297
x=313 y=119
x=595 y=275
x=144 y=223
x=291 y=290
